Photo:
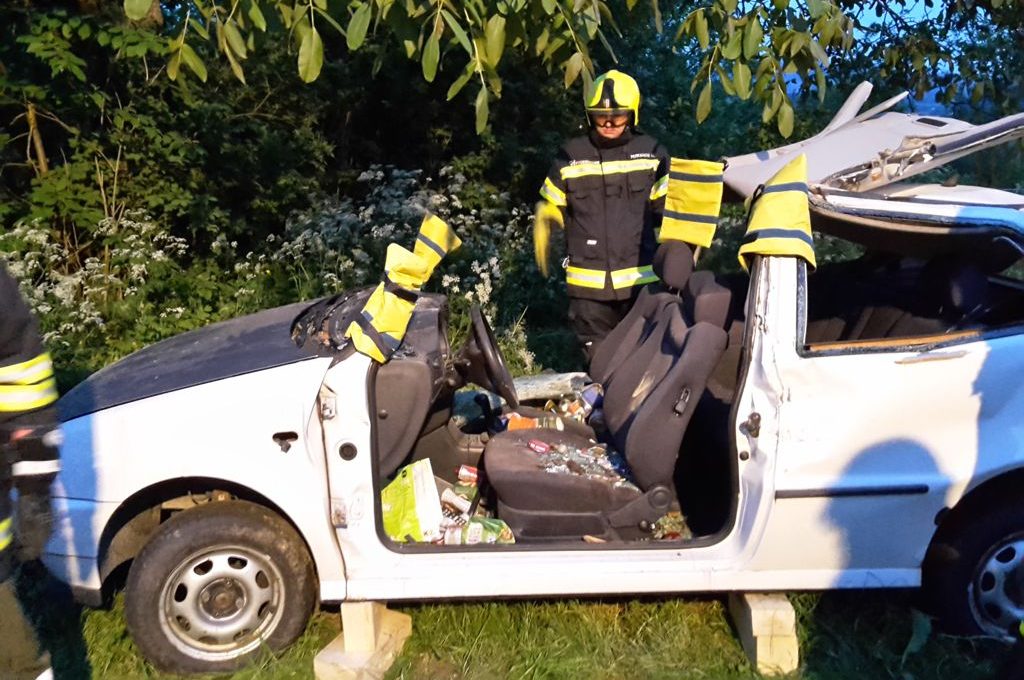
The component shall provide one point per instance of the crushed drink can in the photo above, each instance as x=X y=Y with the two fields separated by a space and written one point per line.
x=452 y=499
x=593 y=396
x=538 y=446
x=468 y=474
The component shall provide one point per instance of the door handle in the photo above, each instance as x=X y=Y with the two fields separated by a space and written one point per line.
x=932 y=356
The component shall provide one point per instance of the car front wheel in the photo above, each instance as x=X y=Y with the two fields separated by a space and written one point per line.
x=974 y=578
x=216 y=584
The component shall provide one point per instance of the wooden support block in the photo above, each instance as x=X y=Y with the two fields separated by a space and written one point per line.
x=371 y=639
x=766 y=623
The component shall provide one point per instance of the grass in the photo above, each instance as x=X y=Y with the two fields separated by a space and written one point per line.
x=847 y=634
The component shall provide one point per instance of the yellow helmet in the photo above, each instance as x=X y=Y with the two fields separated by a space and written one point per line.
x=614 y=92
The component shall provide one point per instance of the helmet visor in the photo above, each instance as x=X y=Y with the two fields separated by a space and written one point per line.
x=610 y=118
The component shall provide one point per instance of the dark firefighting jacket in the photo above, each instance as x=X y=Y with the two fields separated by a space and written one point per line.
x=611 y=195
x=29 y=432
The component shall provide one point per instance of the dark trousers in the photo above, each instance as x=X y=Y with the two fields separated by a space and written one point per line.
x=591 y=320
x=19 y=648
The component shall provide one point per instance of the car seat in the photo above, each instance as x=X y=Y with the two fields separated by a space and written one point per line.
x=647 y=405
x=704 y=299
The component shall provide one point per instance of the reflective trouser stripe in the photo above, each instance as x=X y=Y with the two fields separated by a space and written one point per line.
x=5 y=534
x=28 y=468
x=27 y=372
x=14 y=398
x=584 y=278
x=633 y=276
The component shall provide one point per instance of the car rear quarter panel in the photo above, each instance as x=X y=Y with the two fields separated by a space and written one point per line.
x=873 y=445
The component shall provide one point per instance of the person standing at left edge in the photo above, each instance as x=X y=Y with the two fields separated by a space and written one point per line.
x=607 y=189
x=29 y=437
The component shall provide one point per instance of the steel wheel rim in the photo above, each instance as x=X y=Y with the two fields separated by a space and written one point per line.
x=997 y=590
x=221 y=602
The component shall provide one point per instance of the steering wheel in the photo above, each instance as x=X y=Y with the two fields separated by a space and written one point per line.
x=483 y=362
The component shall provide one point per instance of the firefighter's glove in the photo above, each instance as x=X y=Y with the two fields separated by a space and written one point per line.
x=33 y=519
x=546 y=216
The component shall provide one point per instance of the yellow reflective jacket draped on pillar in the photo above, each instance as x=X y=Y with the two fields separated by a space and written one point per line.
x=378 y=330
x=693 y=203
x=779 y=218
x=29 y=433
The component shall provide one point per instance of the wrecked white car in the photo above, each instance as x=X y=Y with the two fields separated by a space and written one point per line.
x=857 y=426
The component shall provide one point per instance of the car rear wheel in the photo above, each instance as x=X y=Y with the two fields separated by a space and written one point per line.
x=215 y=585
x=974 y=578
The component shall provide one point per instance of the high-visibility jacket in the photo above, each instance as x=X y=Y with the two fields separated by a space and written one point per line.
x=28 y=417
x=612 y=197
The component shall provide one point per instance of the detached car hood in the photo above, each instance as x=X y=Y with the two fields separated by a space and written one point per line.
x=864 y=151
x=221 y=350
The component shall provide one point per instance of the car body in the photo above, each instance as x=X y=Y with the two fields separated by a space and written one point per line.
x=849 y=458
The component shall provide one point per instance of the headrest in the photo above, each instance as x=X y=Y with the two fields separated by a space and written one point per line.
x=673 y=263
x=968 y=289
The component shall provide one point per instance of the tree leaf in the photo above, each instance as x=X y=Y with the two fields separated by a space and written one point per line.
x=726 y=81
x=550 y=6
x=457 y=29
x=198 y=28
x=785 y=119
x=174 y=65
x=818 y=51
x=741 y=79
x=311 y=56
x=358 y=25
x=256 y=16
x=704 y=103
x=431 y=55
x=193 y=61
x=460 y=82
x=572 y=68
x=137 y=9
x=733 y=46
x=236 y=68
x=657 y=16
x=481 y=110
x=700 y=28
x=752 y=36
x=819 y=79
x=235 y=40
x=495 y=34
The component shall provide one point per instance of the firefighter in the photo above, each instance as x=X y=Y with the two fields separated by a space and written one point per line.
x=30 y=436
x=607 y=189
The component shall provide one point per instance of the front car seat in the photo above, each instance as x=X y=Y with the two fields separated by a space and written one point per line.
x=647 y=407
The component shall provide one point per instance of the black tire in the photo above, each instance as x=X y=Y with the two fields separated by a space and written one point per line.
x=972 y=574
x=216 y=585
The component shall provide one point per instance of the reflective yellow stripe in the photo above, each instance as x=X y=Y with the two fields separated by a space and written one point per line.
x=15 y=398
x=552 y=194
x=435 y=240
x=660 y=188
x=27 y=372
x=586 y=168
x=584 y=278
x=779 y=222
x=633 y=276
x=693 y=202
x=5 y=534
